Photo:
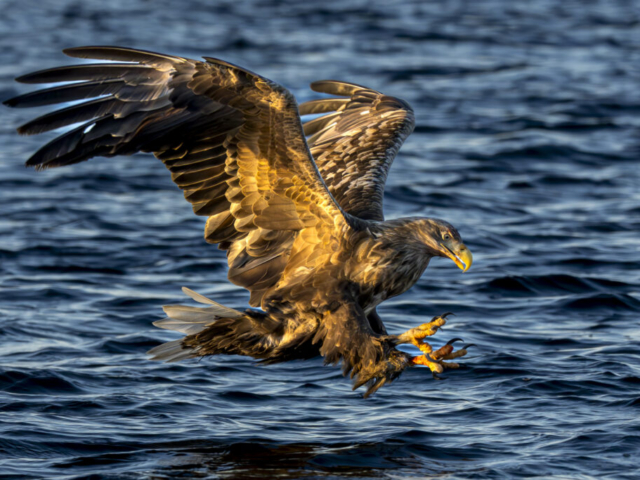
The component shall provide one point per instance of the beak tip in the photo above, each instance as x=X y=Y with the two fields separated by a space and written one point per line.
x=462 y=256
x=467 y=258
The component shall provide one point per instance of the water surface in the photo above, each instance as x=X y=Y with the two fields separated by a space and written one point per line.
x=527 y=140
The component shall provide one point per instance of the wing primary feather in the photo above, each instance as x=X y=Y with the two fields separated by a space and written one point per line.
x=322 y=106
x=66 y=93
x=87 y=110
x=121 y=54
x=69 y=116
x=95 y=71
x=335 y=87
x=317 y=124
x=59 y=146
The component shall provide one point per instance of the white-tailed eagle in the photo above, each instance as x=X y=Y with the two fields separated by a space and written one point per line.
x=298 y=208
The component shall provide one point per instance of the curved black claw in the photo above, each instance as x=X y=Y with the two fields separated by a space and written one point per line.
x=468 y=345
x=436 y=377
x=454 y=340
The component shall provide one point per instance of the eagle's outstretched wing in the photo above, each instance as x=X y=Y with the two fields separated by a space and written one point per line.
x=355 y=142
x=232 y=140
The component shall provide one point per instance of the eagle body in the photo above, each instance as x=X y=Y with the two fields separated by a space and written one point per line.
x=297 y=207
x=378 y=262
x=371 y=268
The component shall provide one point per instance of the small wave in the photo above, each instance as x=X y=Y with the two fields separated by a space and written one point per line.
x=240 y=396
x=446 y=70
x=73 y=269
x=548 y=284
x=553 y=152
x=129 y=344
x=36 y=383
x=603 y=302
x=570 y=180
x=595 y=263
x=128 y=303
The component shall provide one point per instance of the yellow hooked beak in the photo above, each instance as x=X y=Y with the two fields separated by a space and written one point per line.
x=461 y=256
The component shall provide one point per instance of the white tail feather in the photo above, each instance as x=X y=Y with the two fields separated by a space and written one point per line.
x=188 y=320
x=180 y=326
x=224 y=311
x=191 y=314
x=197 y=297
x=171 y=352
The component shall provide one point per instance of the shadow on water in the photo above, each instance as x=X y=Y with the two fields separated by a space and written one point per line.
x=260 y=460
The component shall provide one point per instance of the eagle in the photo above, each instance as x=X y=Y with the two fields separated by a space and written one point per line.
x=296 y=206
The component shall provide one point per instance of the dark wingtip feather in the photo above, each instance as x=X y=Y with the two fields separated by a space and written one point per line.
x=86 y=71
x=37 y=167
x=109 y=52
x=32 y=77
x=102 y=50
x=23 y=78
x=66 y=93
x=12 y=102
x=70 y=115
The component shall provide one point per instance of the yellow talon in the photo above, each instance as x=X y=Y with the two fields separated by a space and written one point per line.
x=415 y=335
x=458 y=353
x=430 y=358
x=423 y=346
x=450 y=364
x=442 y=352
x=435 y=367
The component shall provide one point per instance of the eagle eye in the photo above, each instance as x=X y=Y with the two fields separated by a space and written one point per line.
x=447 y=236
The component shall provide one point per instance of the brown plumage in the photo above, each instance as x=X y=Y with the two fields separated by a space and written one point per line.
x=301 y=219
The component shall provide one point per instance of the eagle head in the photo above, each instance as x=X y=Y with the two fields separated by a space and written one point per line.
x=441 y=239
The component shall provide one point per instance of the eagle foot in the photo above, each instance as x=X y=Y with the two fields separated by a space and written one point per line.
x=417 y=335
x=436 y=360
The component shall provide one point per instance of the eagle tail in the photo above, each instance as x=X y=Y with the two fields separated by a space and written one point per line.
x=216 y=329
x=190 y=321
x=172 y=351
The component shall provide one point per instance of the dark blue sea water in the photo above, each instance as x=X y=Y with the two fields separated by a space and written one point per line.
x=527 y=139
